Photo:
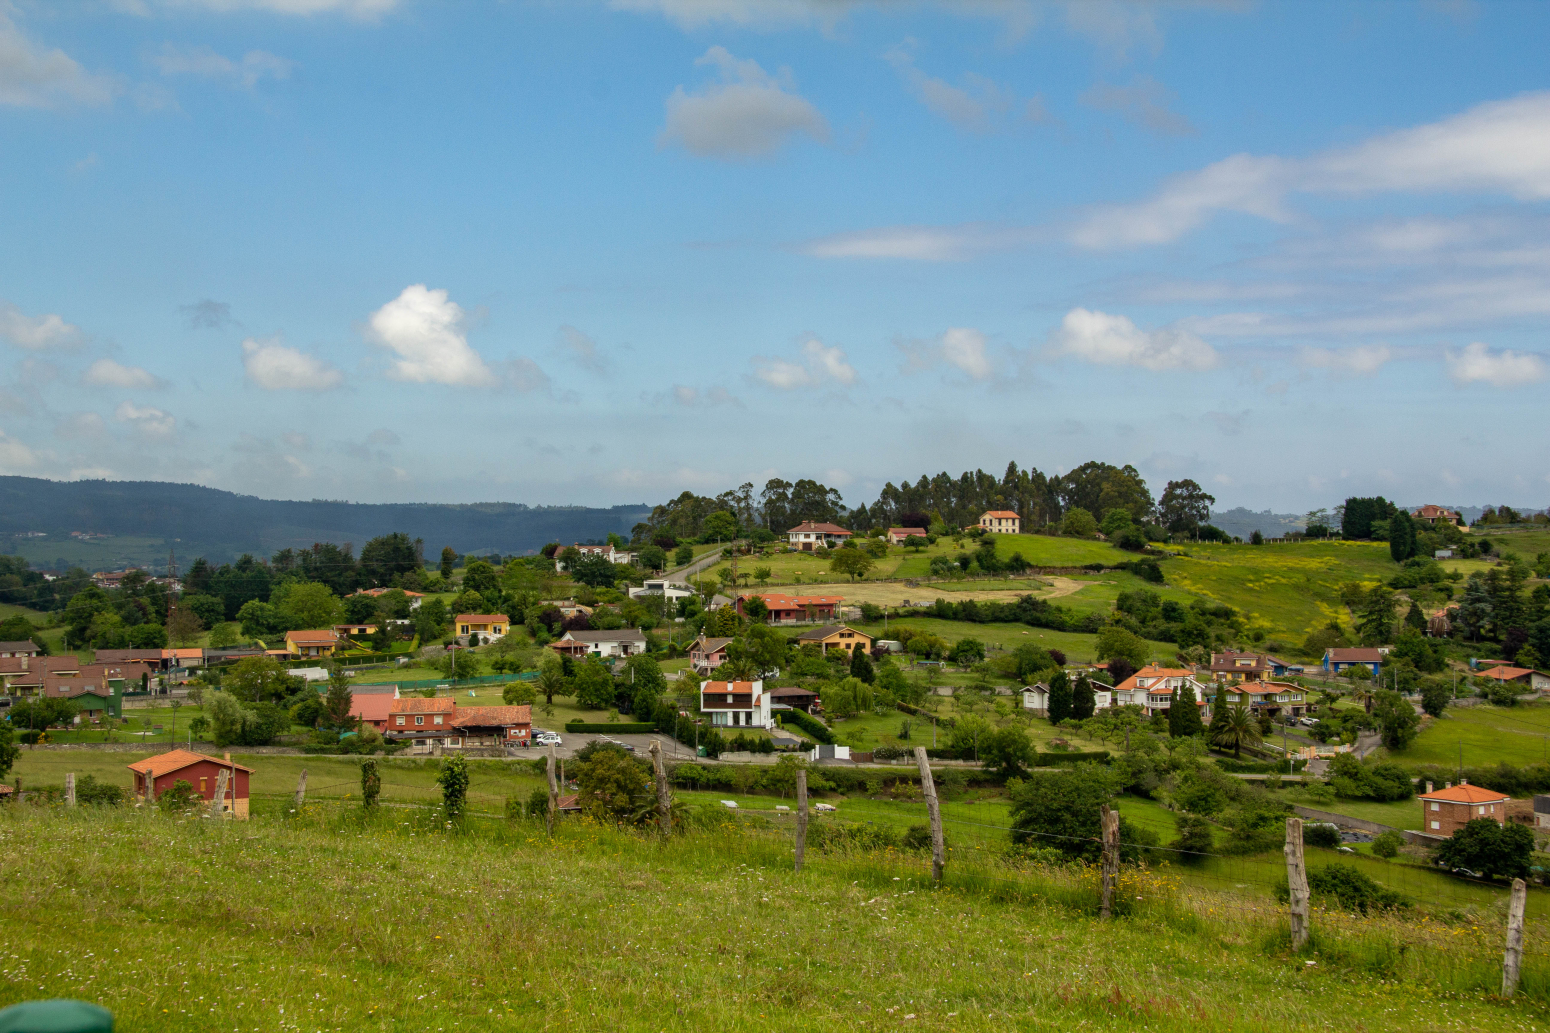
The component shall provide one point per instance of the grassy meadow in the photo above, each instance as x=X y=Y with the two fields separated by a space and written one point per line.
x=333 y=919
x=1489 y=735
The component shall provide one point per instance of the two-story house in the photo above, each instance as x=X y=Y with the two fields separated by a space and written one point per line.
x=1273 y=697
x=671 y=591
x=421 y=719
x=792 y=609
x=835 y=636
x=706 y=654
x=1444 y=811
x=1036 y=698
x=1152 y=688
x=608 y=552
x=22 y=648
x=736 y=704
x=1337 y=660
x=1430 y=514
x=1233 y=666
x=1001 y=521
x=810 y=535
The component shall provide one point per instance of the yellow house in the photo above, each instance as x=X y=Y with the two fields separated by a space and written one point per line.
x=1001 y=521
x=312 y=643
x=836 y=636
x=485 y=625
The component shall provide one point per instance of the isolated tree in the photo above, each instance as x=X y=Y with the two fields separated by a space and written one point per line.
x=1436 y=694
x=338 y=701
x=1484 y=845
x=719 y=527
x=1008 y=752
x=183 y=627
x=1060 y=698
x=453 y=779
x=1184 y=507
x=1239 y=729
x=1084 y=700
x=850 y=561
x=1377 y=615
x=1397 y=719
x=448 y=562
x=1078 y=523
x=653 y=557
x=762 y=574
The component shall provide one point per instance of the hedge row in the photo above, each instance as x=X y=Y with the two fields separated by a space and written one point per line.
x=617 y=727
x=807 y=723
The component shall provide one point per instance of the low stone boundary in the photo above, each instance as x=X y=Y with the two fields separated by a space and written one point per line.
x=1411 y=836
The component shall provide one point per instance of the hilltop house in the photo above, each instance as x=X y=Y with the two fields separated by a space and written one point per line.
x=1430 y=514
x=620 y=642
x=22 y=648
x=900 y=535
x=835 y=636
x=1152 y=687
x=736 y=704
x=1001 y=521
x=155 y=775
x=1446 y=810
x=608 y=552
x=810 y=535
x=1337 y=660
x=793 y=609
x=319 y=642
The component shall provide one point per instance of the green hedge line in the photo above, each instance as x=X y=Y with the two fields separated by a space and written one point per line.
x=617 y=727
x=807 y=723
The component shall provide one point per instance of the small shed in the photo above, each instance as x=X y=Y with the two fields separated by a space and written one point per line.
x=156 y=775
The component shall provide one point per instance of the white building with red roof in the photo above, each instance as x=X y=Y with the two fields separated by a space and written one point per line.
x=736 y=704
x=1152 y=688
x=810 y=535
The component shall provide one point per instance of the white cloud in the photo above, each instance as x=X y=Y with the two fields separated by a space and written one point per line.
x=107 y=373
x=15 y=457
x=583 y=349
x=148 y=420
x=820 y=364
x=748 y=114
x=37 y=332
x=202 y=61
x=922 y=243
x=1106 y=340
x=277 y=367
x=1144 y=103
x=424 y=328
x=32 y=76
x=1478 y=364
x=1363 y=360
x=963 y=347
x=81 y=426
x=971 y=106
x=1497 y=147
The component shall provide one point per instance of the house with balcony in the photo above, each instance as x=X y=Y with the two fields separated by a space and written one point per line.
x=1273 y=697
x=706 y=654
x=1152 y=688
x=792 y=609
x=1036 y=698
x=1430 y=514
x=811 y=535
x=736 y=704
x=488 y=626
x=606 y=644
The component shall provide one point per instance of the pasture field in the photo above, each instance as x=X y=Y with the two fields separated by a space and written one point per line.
x=1489 y=735
x=1078 y=647
x=335 y=919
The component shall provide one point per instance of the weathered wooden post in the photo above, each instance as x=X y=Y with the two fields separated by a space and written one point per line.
x=1514 y=956
x=664 y=791
x=301 y=790
x=801 y=845
x=218 y=804
x=1296 y=884
x=1108 y=829
x=934 y=809
x=70 y=789
x=554 y=793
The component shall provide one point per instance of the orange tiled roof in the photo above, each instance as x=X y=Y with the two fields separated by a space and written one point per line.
x=1150 y=671
x=421 y=705
x=326 y=635
x=1465 y=794
x=177 y=760
x=486 y=717
x=727 y=686
x=1001 y=514
x=483 y=618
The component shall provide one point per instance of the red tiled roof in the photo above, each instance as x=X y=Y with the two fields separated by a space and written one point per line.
x=483 y=618
x=781 y=601
x=1465 y=794
x=371 y=706
x=1358 y=655
x=727 y=686
x=490 y=717
x=1505 y=673
x=177 y=760
x=921 y=531
x=809 y=526
x=1150 y=671
x=1000 y=514
x=421 y=705
x=326 y=635
x=379 y=591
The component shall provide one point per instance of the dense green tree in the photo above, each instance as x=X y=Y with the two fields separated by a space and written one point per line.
x=387 y=558
x=1396 y=718
x=260 y=620
x=1377 y=615
x=1473 y=613
x=448 y=562
x=720 y=527
x=1239 y=729
x=684 y=554
x=1060 y=810
x=480 y=577
x=1184 y=507
x=1084 y=699
x=338 y=701
x=453 y=779
x=234 y=723
x=596 y=571
x=850 y=561
x=861 y=666
x=1486 y=846
x=1115 y=642
x=1060 y=698
x=1402 y=540
x=1008 y=752
x=256 y=679
x=303 y=605
x=1436 y=694
x=593 y=685
x=1183 y=714
x=653 y=557
x=1078 y=523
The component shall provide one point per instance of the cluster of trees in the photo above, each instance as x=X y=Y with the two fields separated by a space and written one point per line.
x=780 y=506
x=132 y=616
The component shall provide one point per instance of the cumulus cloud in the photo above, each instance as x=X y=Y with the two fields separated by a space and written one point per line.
x=274 y=366
x=583 y=349
x=424 y=329
x=922 y=243
x=1497 y=147
x=37 y=332
x=148 y=420
x=107 y=373
x=1106 y=340
x=962 y=347
x=206 y=63
x=820 y=364
x=15 y=457
x=1363 y=360
x=1479 y=364
x=1144 y=103
x=33 y=76
x=748 y=113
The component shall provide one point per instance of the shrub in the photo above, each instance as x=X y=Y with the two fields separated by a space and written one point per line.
x=179 y=798
x=1195 y=839
x=1321 y=834
x=1352 y=889
x=89 y=790
x=1387 y=845
x=616 y=727
x=807 y=723
x=1484 y=846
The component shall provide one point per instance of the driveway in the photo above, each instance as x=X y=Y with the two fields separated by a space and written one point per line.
x=671 y=748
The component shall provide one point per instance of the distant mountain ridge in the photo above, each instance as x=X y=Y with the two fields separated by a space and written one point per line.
x=222 y=525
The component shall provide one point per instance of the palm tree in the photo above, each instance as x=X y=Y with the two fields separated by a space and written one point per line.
x=551 y=683
x=1240 y=729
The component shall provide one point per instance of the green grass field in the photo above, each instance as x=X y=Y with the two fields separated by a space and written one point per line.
x=1488 y=735
x=1077 y=646
x=336 y=920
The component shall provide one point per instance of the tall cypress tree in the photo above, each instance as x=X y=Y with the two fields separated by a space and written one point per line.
x=1083 y=699
x=1183 y=714
x=1218 y=719
x=1402 y=543
x=1060 y=698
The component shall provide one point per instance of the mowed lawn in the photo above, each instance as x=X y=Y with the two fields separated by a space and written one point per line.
x=1286 y=590
x=1489 y=735
x=1079 y=648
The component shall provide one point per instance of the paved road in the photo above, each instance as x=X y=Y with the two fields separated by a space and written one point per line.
x=573 y=742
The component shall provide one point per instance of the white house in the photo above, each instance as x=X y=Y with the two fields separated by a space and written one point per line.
x=608 y=552
x=1152 y=687
x=620 y=642
x=810 y=535
x=669 y=590
x=1036 y=698
x=736 y=704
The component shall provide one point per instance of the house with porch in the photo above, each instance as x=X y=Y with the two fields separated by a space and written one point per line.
x=792 y=609
x=1233 y=666
x=317 y=642
x=1273 y=697
x=487 y=626
x=795 y=698
x=811 y=535
x=1338 y=660
x=606 y=644
x=1001 y=521
x=155 y=775
x=736 y=704
x=706 y=654
x=836 y=636
x=1152 y=688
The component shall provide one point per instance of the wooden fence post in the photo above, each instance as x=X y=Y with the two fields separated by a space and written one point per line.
x=1514 y=956
x=301 y=790
x=1108 y=827
x=1296 y=884
x=554 y=793
x=801 y=844
x=69 y=789
x=664 y=791
x=219 y=802
x=934 y=809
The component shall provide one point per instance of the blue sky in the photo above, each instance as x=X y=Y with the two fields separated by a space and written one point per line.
x=602 y=252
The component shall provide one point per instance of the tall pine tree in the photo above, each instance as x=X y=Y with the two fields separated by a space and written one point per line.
x=1218 y=719
x=1060 y=698
x=1083 y=699
x=1183 y=714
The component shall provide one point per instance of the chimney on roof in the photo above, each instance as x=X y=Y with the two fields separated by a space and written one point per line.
x=1428 y=787
x=1463 y=781
x=228 y=758
x=1447 y=785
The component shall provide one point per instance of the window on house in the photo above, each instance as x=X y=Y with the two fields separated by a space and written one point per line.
x=419 y=719
x=1436 y=824
x=1436 y=806
x=400 y=721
